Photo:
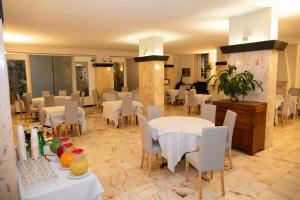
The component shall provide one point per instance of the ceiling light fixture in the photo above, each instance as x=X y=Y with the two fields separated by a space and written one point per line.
x=20 y=38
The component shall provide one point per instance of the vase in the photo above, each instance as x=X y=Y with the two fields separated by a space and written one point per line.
x=67 y=157
x=234 y=98
x=55 y=142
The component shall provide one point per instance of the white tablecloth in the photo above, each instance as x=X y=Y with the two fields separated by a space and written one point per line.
x=173 y=94
x=121 y=94
x=199 y=98
x=41 y=99
x=58 y=115
x=112 y=109
x=63 y=188
x=177 y=135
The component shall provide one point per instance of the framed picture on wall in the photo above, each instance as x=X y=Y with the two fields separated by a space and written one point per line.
x=186 y=72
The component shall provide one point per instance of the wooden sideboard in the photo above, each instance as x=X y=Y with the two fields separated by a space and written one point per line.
x=250 y=126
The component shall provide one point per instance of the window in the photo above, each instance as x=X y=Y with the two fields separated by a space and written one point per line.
x=17 y=78
x=118 y=76
x=203 y=65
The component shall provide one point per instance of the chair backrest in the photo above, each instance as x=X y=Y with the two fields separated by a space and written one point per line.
x=194 y=91
x=136 y=96
x=191 y=98
x=21 y=105
x=40 y=112
x=208 y=112
x=213 y=144
x=229 y=121
x=109 y=97
x=45 y=93
x=82 y=99
x=298 y=102
x=60 y=101
x=294 y=91
x=285 y=105
x=71 y=112
x=77 y=92
x=182 y=93
x=124 y=89
x=62 y=93
x=147 y=141
x=75 y=97
x=154 y=112
x=27 y=104
x=49 y=101
x=95 y=97
x=127 y=106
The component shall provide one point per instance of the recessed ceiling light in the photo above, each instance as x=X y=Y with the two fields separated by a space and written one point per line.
x=20 y=38
x=167 y=36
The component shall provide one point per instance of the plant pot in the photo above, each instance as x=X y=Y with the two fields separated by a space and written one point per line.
x=234 y=98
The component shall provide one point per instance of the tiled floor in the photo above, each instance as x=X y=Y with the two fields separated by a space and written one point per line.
x=115 y=154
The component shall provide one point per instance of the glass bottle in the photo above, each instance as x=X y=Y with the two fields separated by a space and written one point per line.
x=55 y=142
x=79 y=165
x=41 y=142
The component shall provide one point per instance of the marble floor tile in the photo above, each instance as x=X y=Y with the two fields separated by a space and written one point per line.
x=114 y=155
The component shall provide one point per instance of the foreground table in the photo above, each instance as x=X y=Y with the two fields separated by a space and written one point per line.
x=112 y=110
x=87 y=188
x=177 y=135
x=58 y=115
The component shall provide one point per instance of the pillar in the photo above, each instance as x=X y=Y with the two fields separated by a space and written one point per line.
x=254 y=27
x=151 y=72
x=8 y=178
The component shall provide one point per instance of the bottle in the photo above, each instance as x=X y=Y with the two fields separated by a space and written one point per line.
x=22 y=154
x=35 y=152
x=41 y=142
x=55 y=142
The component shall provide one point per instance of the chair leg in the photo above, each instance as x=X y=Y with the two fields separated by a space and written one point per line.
x=143 y=157
x=187 y=169
x=200 y=185
x=211 y=175
x=150 y=164
x=132 y=120
x=230 y=158
x=122 y=118
x=222 y=182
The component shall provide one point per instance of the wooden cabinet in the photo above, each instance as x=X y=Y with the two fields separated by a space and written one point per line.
x=250 y=126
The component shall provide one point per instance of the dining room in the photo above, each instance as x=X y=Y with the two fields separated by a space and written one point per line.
x=170 y=100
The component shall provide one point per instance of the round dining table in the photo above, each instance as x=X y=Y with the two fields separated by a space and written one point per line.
x=178 y=135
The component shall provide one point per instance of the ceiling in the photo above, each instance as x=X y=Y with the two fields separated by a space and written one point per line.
x=186 y=25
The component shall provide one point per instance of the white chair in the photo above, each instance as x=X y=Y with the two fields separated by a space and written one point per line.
x=71 y=115
x=283 y=110
x=136 y=96
x=127 y=109
x=75 y=97
x=109 y=97
x=211 y=156
x=96 y=98
x=62 y=93
x=45 y=93
x=40 y=112
x=154 y=112
x=21 y=105
x=150 y=146
x=181 y=94
x=192 y=104
x=229 y=121
x=298 y=106
x=81 y=104
x=49 y=101
x=208 y=112
x=60 y=101
x=28 y=107
x=124 y=89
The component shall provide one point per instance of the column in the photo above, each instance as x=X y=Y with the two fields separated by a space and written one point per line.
x=151 y=72
x=8 y=178
x=257 y=26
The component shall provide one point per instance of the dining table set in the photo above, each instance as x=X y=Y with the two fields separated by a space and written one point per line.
x=292 y=106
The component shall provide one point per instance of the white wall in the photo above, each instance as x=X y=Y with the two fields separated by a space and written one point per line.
x=80 y=54
x=264 y=29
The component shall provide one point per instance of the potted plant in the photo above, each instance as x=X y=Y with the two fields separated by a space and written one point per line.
x=234 y=84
